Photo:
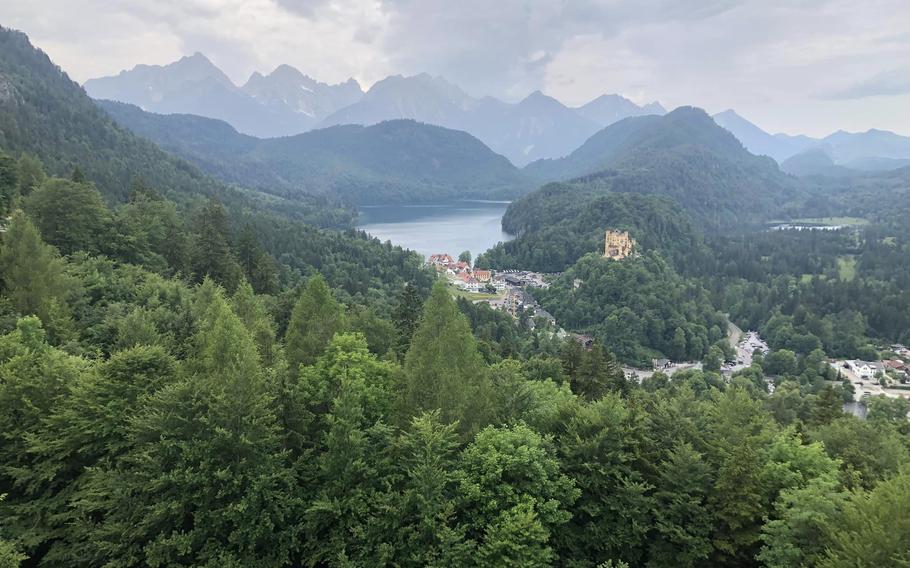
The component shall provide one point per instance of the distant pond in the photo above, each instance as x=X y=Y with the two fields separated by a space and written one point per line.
x=446 y=227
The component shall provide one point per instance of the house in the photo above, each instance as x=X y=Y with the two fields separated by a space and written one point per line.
x=482 y=275
x=865 y=370
x=440 y=260
x=660 y=364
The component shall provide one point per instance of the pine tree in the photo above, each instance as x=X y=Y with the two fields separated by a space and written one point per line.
x=682 y=520
x=71 y=216
x=406 y=316
x=252 y=312
x=598 y=374
x=212 y=254
x=429 y=534
x=316 y=317
x=206 y=481
x=30 y=172
x=443 y=368
x=258 y=267
x=9 y=182
x=32 y=273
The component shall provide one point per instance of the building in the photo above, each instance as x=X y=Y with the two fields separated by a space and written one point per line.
x=482 y=275
x=441 y=260
x=865 y=370
x=618 y=244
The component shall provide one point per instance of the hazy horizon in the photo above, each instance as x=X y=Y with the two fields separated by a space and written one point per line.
x=812 y=68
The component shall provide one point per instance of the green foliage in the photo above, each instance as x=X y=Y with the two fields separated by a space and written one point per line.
x=211 y=253
x=560 y=223
x=71 y=216
x=316 y=317
x=9 y=182
x=870 y=530
x=443 y=368
x=393 y=161
x=515 y=493
x=636 y=307
x=31 y=271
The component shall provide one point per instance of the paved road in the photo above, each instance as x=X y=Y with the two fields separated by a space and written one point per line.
x=745 y=346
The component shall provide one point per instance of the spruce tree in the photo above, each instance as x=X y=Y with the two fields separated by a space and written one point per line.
x=406 y=317
x=316 y=317
x=212 y=254
x=254 y=315
x=443 y=367
x=206 y=481
x=9 y=183
x=71 y=216
x=30 y=173
x=31 y=272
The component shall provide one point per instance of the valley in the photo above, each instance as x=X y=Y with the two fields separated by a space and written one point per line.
x=394 y=322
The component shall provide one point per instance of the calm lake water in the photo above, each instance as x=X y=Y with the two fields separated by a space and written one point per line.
x=449 y=227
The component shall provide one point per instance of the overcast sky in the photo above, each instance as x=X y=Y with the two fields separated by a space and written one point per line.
x=798 y=66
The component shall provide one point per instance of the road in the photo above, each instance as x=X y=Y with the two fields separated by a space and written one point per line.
x=746 y=345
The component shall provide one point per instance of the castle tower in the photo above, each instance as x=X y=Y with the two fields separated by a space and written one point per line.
x=618 y=244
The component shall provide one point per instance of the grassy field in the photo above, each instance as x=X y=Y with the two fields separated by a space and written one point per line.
x=830 y=221
x=459 y=293
x=846 y=268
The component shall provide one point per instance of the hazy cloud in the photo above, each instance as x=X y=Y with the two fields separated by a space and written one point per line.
x=769 y=59
x=889 y=83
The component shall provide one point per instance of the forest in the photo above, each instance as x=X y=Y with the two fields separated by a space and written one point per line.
x=193 y=374
x=172 y=406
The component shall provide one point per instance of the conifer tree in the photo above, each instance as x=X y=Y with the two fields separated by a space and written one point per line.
x=252 y=312
x=9 y=182
x=212 y=254
x=206 y=481
x=31 y=272
x=71 y=216
x=443 y=368
x=428 y=531
x=406 y=316
x=258 y=267
x=316 y=317
x=30 y=173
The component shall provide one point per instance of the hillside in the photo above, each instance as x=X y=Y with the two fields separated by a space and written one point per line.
x=561 y=222
x=683 y=155
x=44 y=113
x=393 y=161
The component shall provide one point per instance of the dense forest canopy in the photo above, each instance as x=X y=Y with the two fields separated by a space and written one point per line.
x=393 y=161
x=191 y=377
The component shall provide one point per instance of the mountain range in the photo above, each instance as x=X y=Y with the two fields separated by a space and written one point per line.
x=287 y=102
x=282 y=103
x=683 y=155
x=47 y=115
x=394 y=161
x=870 y=150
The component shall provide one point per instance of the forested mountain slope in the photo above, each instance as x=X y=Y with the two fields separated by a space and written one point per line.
x=560 y=223
x=684 y=156
x=44 y=113
x=198 y=385
x=398 y=160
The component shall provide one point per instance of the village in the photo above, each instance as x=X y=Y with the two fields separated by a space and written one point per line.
x=510 y=291
x=504 y=290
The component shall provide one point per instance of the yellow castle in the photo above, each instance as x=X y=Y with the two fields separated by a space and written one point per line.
x=618 y=244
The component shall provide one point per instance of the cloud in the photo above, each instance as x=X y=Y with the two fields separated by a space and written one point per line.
x=767 y=58
x=888 y=83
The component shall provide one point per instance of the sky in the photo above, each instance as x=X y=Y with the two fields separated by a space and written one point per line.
x=795 y=66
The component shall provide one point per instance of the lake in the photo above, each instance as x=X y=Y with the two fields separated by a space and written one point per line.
x=450 y=227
